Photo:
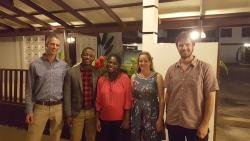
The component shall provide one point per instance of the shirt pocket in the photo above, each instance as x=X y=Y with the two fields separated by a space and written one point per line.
x=174 y=81
x=194 y=80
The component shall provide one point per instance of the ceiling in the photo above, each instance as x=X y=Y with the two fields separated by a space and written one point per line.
x=93 y=16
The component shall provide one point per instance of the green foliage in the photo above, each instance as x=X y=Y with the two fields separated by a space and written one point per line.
x=131 y=66
x=223 y=67
x=99 y=39
x=108 y=50
x=105 y=43
x=61 y=55
x=104 y=38
x=108 y=43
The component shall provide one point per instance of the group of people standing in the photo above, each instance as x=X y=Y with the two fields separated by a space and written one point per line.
x=111 y=105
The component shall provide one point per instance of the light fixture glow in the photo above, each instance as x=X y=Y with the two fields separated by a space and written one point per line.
x=194 y=35
x=54 y=24
x=71 y=40
x=134 y=44
x=203 y=35
x=179 y=14
x=246 y=45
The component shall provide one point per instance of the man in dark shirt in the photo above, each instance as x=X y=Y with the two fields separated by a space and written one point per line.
x=44 y=92
x=79 y=96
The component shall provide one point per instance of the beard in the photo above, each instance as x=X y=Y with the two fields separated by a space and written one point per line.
x=186 y=54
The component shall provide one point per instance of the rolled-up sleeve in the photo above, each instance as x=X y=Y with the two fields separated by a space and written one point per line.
x=67 y=94
x=210 y=80
x=29 y=90
x=98 y=95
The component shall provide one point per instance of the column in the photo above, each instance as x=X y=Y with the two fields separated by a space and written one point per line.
x=150 y=24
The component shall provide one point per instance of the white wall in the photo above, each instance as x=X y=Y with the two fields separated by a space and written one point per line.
x=12 y=52
x=9 y=53
x=83 y=41
x=165 y=54
x=228 y=52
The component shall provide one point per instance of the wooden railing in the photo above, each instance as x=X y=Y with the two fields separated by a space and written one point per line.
x=12 y=95
x=12 y=85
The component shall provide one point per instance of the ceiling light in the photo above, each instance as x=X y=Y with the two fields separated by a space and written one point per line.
x=203 y=35
x=194 y=35
x=54 y=24
x=71 y=40
x=135 y=44
x=178 y=15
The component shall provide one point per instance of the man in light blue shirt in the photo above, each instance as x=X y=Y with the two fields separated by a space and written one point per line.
x=44 y=92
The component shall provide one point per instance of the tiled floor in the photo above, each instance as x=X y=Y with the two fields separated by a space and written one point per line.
x=15 y=134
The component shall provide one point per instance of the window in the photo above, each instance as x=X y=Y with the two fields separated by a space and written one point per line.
x=245 y=32
x=226 y=32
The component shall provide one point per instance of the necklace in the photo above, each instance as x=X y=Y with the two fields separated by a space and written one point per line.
x=145 y=75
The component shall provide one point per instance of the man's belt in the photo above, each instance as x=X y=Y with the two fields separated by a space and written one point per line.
x=48 y=103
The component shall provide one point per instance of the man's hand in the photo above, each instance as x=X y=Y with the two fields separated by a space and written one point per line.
x=159 y=125
x=98 y=125
x=69 y=121
x=202 y=131
x=29 y=118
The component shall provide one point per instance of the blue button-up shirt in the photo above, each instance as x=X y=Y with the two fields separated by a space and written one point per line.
x=45 y=81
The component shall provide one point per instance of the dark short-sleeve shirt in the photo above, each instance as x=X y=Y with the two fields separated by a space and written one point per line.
x=187 y=92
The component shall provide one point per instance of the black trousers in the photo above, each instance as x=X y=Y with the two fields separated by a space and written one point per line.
x=178 y=133
x=111 y=131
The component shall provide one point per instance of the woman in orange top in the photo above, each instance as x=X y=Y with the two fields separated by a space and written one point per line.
x=113 y=101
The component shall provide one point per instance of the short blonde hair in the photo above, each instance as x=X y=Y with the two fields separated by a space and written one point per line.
x=49 y=36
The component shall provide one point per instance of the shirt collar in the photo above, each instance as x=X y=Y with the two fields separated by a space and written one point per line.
x=85 y=67
x=193 y=62
x=45 y=58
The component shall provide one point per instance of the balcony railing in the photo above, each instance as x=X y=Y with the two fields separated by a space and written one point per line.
x=12 y=85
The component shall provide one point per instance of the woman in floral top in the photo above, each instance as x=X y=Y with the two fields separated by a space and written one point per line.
x=147 y=112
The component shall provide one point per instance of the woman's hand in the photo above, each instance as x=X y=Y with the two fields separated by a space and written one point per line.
x=125 y=123
x=98 y=125
x=159 y=125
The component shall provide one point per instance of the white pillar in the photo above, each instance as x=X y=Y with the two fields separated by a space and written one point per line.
x=150 y=24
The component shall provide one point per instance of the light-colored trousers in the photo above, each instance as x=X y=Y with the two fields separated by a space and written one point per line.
x=41 y=115
x=85 y=120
